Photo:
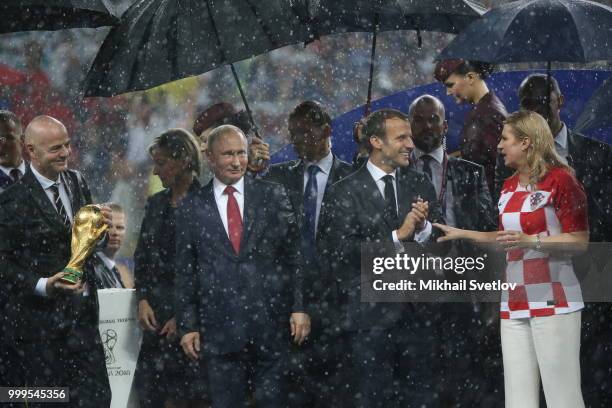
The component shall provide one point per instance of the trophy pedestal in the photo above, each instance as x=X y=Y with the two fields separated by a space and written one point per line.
x=73 y=276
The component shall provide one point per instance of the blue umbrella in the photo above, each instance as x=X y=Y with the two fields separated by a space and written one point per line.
x=598 y=110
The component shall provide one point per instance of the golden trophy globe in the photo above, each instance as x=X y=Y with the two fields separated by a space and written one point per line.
x=87 y=230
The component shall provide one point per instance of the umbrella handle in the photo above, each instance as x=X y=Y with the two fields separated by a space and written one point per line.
x=234 y=73
x=372 y=59
x=244 y=101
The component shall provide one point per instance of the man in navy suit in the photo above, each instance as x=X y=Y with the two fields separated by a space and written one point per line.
x=239 y=285
x=307 y=180
x=12 y=165
x=51 y=327
x=381 y=204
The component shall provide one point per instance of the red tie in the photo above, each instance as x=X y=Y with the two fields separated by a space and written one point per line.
x=234 y=220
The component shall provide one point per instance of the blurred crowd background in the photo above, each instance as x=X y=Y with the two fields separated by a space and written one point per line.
x=42 y=73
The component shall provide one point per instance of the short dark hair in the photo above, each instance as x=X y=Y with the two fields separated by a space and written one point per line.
x=446 y=68
x=312 y=111
x=179 y=144
x=539 y=82
x=8 y=118
x=375 y=122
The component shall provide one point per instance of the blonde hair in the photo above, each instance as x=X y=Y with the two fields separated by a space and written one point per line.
x=541 y=154
x=179 y=144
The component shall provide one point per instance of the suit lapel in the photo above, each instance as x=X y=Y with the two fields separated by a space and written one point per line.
x=334 y=175
x=574 y=150
x=5 y=181
x=72 y=191
x=296 y=183
x=373 y=194
x=251 y=207
x=405 y=195
x=213 y=222
x=40 y=199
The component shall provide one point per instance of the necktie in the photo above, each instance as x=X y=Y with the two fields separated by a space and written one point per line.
x=117 y=276
x=310 y=203
x=427 y=165
x=15 y=175
x=390 y=201
x=234 y=220
x=59 y=206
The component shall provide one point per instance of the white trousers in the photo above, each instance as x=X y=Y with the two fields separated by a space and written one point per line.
x=542 y=346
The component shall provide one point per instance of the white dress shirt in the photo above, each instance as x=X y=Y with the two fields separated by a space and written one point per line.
x=41 y=285
x=561 y=143
x=378 y=174
x=325 y=165
x=110 y=264
x=63 y=191
x=221 y=199
x=436 y=173
x=7 y=170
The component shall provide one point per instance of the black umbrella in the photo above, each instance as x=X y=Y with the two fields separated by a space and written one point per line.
x=598 y=110
x=27 y=15
x=159 y=41
x=577 y=31
x=448 y=16
x=537 y=31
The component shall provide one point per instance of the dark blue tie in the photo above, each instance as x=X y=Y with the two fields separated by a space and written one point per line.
x=390 y=201
x=310 y=203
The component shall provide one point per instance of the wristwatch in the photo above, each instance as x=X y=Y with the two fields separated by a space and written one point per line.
x=538 y=242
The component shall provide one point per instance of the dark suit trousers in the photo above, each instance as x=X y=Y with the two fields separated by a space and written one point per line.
x=317 y=373
x=394 y=367
x=62 y=363
x=232 y=375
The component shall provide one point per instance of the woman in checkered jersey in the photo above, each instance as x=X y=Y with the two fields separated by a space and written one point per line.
x=542 y=203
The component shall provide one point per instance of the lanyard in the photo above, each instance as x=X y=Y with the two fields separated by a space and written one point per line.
x=442 y=195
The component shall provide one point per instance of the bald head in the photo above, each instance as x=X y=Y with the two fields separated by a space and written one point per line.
x=41 y=127
x=427 y=99
x=48 y=144
x=428 y=123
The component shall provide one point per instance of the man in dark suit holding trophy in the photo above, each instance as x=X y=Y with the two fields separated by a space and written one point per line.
x=54 y=324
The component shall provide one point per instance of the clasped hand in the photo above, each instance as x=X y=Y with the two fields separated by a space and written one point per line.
x=415 y=220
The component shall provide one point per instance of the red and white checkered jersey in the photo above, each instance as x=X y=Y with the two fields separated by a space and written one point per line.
x=546 y=284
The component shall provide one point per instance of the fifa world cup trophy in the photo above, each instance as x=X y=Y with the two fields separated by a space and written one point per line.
x=87 y=230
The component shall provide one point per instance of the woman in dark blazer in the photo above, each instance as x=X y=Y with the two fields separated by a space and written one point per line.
x=164 y=376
